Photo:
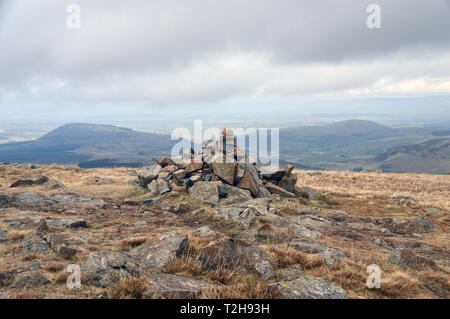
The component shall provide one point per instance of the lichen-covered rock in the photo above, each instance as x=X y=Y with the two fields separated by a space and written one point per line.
x=225 y=169
x=66 y=222
x=238 y=255
x=159 y=251
x=206 y=191
x=204 y=231
x=241 y=215
x=303 y=232
x=308 y=288
x=106 y=268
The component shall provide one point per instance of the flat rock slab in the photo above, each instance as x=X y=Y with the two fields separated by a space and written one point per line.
x=308 y=288
x=159 y=251
x=173 y=286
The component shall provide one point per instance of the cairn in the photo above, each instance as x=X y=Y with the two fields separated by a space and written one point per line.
x=218 y=161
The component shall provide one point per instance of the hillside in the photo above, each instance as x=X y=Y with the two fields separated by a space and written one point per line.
x=190 y=234
x=432 y=156
x=89 y=145
x=354 y=145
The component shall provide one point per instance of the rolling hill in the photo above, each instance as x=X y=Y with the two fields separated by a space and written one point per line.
x=89 y=145
x=347 y=145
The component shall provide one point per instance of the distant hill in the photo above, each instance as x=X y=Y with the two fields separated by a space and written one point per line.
x=347 y=145
x=432 y=156
x=351 y=145
x=89 y=145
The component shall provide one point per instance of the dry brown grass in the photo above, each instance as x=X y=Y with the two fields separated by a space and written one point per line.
x=133 y=242
x=286 y=256
x=429 y=190
x=247 y=288
x=25 y=294
x=131 y=288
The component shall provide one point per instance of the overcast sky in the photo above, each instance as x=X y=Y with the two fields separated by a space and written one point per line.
x=168 y=54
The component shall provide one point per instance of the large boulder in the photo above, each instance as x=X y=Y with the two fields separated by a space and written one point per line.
x=251 y=182
x=206 y=191
x=164 y=161
x=106 y=268
x=157 y=252
x=273 y=173
x=148 y=173
x=176 y=287
x=308 y=288
x=231 y=194
x=238 y=255
x=225 y=168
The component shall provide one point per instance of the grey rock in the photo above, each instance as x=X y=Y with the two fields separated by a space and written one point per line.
x=244 y=216
x=238 y=255
x=30 y=182
x=204 y=231
x=330 y=255
x=232 y=195
x=303 y=232
x=148 y=173
x=65 y=222
x=206 y=191
x=65 y=252
x=163 y=186
x=34 y=244
x=107 y=268
x=289 y=274
x=173 y=286
x=272 y=173
x=308 y=288
x=421 y=224
x=34 y=280
x=75 y=200
x=405 y=257
x=311 y=193
x=159 y=251
x=2 y=236
x=55 y=185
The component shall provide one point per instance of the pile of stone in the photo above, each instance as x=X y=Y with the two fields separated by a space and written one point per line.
x=221 y=168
